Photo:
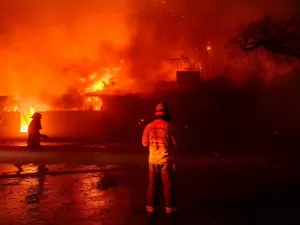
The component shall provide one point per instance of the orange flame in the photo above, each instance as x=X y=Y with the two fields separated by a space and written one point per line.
x=95 y=103
x=25 y=119
x=99 y=84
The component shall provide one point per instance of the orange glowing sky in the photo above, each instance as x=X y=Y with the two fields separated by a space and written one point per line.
x=38 y=39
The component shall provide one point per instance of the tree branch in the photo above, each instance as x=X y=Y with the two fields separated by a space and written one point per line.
x=278 y=37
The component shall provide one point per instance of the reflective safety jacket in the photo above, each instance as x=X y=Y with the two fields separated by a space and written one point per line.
x=159 y=136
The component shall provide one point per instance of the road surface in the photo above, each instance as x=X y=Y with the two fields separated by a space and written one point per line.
x=210 y=191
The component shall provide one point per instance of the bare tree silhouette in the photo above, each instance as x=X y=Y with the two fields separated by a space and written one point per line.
x=275 y=36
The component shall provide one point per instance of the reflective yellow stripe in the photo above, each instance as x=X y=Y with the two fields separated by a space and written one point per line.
x=170 y=210
x=150 y=209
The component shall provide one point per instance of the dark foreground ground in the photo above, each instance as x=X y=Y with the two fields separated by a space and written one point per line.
x=99 y=186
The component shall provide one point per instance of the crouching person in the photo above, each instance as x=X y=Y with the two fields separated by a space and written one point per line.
x=159 y=137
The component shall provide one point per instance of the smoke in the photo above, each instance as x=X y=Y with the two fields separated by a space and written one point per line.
x=184 y=29
x=46 y=46
x=39 y=39
x=72 y=99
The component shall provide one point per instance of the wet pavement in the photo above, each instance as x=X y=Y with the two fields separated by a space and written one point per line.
x=85 y=198
x=212 y=191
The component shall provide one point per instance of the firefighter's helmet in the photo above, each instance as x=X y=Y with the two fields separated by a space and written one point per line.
x=36 y=116
x=162 y=109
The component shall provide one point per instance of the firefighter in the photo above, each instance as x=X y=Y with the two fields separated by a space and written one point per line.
x=159 y=137
x=34 y=135
x=33 y=140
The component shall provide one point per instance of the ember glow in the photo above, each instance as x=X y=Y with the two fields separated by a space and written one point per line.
x=95 y=103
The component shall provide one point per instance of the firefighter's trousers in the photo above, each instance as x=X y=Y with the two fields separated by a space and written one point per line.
x=161 y=175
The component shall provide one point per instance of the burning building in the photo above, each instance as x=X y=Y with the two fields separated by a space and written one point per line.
x=98 y=106
x=85 y=98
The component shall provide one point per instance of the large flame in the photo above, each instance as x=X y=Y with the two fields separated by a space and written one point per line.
x=25 y=119
x=26 y=107
x=98 y=86
x=96 y=82
x=100 y=81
